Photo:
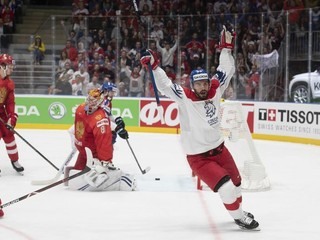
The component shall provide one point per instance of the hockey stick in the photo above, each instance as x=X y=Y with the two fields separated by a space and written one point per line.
x=155 y=89
x=159 y=107
x=143 y=171
x=87 y=169
x=57 y=176
x=14 y=131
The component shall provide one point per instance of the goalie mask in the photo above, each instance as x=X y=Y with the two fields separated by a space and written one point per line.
x=6 y=65
x=93 y=101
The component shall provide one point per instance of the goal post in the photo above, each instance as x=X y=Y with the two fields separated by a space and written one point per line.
x=239 y=141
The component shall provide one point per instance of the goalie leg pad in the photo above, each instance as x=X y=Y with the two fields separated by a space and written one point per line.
x=111 y=180
x=102 y=178
x=128 y=183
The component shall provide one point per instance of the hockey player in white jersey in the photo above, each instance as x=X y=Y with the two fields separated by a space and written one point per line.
x=201 y=138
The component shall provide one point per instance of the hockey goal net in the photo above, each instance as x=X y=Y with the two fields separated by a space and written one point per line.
x=239 y=142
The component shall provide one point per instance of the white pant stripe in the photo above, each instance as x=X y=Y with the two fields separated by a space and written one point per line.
x=11 y=144
x=13 y=151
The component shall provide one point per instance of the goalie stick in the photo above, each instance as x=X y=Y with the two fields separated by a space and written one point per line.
x=143 y=171
x=57 y=176
x=15 y=132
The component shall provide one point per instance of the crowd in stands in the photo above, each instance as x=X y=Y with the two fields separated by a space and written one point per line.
x=10 y=14
x=105 y=39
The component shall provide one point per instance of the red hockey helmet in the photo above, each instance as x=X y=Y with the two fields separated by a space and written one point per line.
x=6 y=59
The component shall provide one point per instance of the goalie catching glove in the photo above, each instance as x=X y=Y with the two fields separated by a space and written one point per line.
x=120 y=129
x=149 y=57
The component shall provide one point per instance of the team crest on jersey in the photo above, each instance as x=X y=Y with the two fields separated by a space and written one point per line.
x=210 y=109
x=98 y=117
x=3 y=94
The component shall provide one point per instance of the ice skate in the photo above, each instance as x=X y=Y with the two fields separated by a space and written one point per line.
x=247 y=223
x=248 y=214
x=17 y=166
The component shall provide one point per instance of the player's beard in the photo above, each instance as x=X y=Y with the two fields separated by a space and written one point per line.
x=202 y=95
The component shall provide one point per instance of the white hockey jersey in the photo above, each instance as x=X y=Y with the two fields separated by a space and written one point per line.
x=199 y=119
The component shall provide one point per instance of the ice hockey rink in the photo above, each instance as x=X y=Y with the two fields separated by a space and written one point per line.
x=168 y=209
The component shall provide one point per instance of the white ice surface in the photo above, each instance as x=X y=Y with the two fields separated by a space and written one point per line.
x=169 y=209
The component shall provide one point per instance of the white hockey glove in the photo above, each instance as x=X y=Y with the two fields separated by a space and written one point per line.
x=227 y=37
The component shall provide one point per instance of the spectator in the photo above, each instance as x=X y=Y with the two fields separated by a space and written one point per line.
x=79 y=24
x=62 y=62
x=277 y=36
x=156 y=33
x=67 y=73
x=81 y=49
x=77 y=86
x=97 y=59
x=108 y=71
x=101 y=38
x=80 y=80
x=7 y=17
x=93 y=84
x=126 y=42
x=185 y=63
x=71 y=51
x=62 y=87
x=242 y=83
x=170 y=74
x=136 y=84
x=196 y=60
x=96 y=48
x=80 y=60
x=69 y=32
x=294 y=8
x=253 y=82
x=110 y=53
x=38 y=49
x=124 y=61
x=195 y=44
x=212 y=71
x=136 y=49
x=184 y=78
x=123 y=91
x=167 y=52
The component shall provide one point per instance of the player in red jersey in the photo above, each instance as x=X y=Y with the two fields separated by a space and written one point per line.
x=92 y=129
x=7 y=110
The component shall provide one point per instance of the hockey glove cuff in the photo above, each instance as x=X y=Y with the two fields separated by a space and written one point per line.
x=149 y=57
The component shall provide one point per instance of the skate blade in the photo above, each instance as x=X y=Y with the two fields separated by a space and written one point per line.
x=250 y=230
x=20 y=173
